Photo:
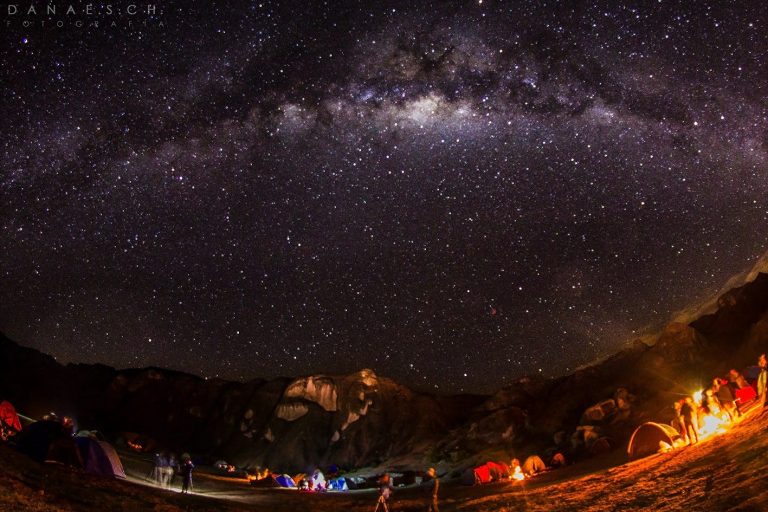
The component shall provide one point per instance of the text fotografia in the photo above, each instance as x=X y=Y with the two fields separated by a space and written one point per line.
x=82 y=15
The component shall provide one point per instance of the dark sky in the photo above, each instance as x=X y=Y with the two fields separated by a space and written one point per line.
x=453 y=194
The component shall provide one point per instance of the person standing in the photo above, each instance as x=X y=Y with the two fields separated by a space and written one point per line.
x=157 y=472
x=724 y=394
x=690 y=415
x=737 y=379
x=385 y=487
x=186 y=474
x=385 y=492
x=433 y=488
x=762 y=380
x=170 y=470
x=680 y=420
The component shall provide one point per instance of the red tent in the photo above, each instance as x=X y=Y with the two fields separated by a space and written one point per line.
x=483 y=474
x=745 y=395
x=488 y=472
x=8 y=416
x=498 y=470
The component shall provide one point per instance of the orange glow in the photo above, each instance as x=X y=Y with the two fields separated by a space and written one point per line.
x=517 y=474
x=711 y=425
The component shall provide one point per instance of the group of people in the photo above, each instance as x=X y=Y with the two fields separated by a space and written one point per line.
x=166 y=466
x=718 y=400
x=386 y=488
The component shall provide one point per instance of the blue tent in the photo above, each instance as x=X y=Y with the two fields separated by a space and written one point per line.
x=338 y=484
x=285 y=481
x=752 y=372
x=99 y=457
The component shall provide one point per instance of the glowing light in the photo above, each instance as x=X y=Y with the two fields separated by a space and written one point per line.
x=711 y=425
x=517 y=474
x=697 y=396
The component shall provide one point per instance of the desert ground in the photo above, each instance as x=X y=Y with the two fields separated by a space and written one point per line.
x=725 y=472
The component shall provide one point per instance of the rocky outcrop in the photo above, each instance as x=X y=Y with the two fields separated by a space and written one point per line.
x=320 y=390
x=291 y=411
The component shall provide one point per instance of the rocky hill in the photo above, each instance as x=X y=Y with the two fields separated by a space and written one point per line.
x=352 y=420
x=363 y=419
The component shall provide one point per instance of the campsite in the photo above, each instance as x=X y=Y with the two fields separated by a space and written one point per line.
x=722 y=473
x=512 y=450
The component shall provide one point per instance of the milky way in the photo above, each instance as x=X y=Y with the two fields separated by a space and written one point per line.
x=452 y=194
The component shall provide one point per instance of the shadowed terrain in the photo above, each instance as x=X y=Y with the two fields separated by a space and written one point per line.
x=721 y=473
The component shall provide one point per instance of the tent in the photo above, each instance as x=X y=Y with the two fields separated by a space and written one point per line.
x=646 y=438
x=357 y=482
x=498 y=471
x=8 y=416
x=482 y=474
x=533 y=465
x=751 y=373
x=745 y=395
x=49 y=440
x=285 y=481
x=99 y=457
x=338 y=484
x=95 y=434
x=558 y=460
x=488 y=472
x=317 y=481
x=266 y=482
x=468 y=477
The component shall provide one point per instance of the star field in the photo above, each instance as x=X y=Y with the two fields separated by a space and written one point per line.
x=453 y=194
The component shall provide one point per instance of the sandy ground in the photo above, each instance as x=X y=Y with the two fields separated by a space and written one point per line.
x=726 y=472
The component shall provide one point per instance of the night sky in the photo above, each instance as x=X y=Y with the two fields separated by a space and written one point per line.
x=452 y=194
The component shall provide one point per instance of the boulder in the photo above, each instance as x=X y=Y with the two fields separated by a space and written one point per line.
x=320 y=390
x=599 y=412
x=291 y=411
x=623 y=399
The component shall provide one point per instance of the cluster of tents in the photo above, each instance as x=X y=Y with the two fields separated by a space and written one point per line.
x=496 y=471
x=302 y=481
x=318 y=482
x=482 y=474
x=51 y=440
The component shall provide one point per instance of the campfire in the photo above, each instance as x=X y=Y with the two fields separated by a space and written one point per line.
x=711 y=425
x=714 y=423
x=517 y=474
x=259 y=475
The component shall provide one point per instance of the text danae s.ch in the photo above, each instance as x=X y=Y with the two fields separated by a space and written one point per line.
x=80 y=10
